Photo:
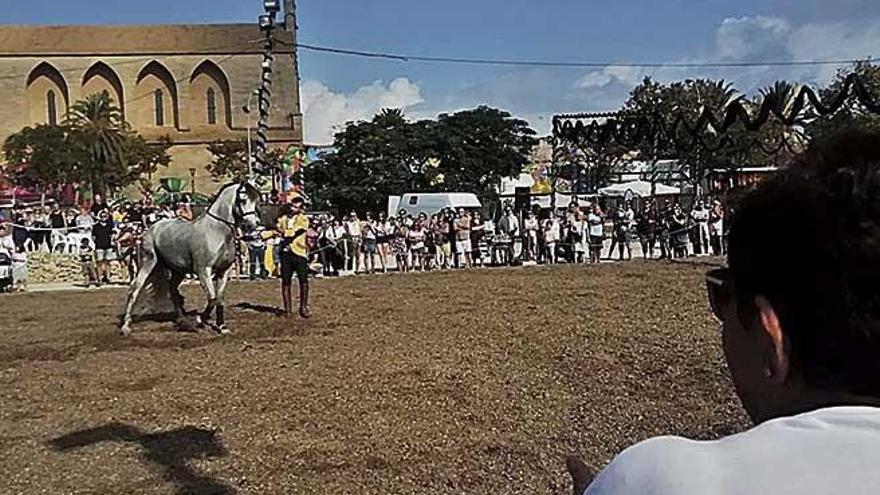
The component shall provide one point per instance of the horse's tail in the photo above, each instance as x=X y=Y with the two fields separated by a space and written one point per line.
x=155 y=296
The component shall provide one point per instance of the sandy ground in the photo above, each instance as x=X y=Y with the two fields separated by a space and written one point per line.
x=462 y=382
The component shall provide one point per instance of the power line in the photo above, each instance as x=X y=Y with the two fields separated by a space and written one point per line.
x=183 y=78
x=571 y=64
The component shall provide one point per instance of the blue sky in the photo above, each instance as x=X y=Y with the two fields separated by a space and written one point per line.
x=336 y=89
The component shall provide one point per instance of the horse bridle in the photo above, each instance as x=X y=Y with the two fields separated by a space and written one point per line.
x=238 y=214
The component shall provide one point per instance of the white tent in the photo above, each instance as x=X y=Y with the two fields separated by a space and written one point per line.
x=562 y=200
x=509 y=185
x=639 y=188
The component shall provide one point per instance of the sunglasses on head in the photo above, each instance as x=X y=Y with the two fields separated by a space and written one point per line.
x=719 y=288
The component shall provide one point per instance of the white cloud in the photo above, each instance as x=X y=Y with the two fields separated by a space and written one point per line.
x=740 y=37
x=629 y=76
x=838 y=40
x=759 y=38
x=325 y=111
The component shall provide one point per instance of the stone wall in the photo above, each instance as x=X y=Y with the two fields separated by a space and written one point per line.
x=62 y=268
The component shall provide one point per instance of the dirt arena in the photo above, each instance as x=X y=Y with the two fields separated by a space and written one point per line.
x=466 y=382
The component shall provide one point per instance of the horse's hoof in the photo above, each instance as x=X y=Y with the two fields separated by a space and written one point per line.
x=223 y=330
x=199 y=322
x=124 y=331
x=184 y=325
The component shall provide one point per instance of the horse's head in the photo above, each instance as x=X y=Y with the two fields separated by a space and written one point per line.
x=247 y=202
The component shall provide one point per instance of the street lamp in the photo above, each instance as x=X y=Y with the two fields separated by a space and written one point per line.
x=266 y=22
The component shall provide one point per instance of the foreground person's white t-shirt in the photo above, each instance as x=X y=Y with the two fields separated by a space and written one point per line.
x=828 y=451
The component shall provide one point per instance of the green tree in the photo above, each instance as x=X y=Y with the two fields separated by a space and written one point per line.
x=853 y=113
x=143 y=159
x=468 y=151
x=93 y=146
x=39 y=157
x=382 y=157
x=479 y=147
x=781 y=97
x=677 y=107
x=586 y=167
x=95 y=126
x=230 y=160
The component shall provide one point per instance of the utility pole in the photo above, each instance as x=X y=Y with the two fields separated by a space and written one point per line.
x=290 y=17
x=267 y=25
x=290 y=28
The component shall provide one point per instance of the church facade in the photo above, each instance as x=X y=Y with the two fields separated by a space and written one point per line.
x=188 y=82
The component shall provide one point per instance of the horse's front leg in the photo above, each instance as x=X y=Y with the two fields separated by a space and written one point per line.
x=220 y=282
x=207 y=281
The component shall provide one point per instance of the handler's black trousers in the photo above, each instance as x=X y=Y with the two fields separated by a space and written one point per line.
x=290 y=264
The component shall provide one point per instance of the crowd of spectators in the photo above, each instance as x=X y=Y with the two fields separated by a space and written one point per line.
x=464 y=239
x=102 y=234
x=99 y=235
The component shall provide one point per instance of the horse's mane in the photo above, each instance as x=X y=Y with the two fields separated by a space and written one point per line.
x=249 y=188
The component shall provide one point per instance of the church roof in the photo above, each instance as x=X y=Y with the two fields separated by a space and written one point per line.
x=183 y=39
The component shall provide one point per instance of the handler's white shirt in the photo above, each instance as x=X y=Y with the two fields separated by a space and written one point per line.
x=829 y=451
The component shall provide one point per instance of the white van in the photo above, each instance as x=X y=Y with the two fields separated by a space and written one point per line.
x=430 y=203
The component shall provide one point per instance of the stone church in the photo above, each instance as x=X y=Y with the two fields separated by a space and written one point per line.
x=188 y=82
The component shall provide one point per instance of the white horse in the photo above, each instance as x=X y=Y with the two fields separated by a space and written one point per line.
x=205 y=247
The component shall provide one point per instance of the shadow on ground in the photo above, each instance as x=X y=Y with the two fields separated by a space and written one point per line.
x=171 y=450
x=260 y=308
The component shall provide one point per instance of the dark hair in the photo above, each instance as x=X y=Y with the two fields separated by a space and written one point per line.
x=808 y=240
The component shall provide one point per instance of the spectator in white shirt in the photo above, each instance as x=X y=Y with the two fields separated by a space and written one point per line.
x=355 y=237
x=508 y=227
x=551 y=237
x=596 y=229
x=84 y=220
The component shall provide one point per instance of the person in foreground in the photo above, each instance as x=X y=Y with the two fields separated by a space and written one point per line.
x=800 y=307
x=292 y=227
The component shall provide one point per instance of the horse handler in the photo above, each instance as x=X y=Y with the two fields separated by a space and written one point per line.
x=292 y=227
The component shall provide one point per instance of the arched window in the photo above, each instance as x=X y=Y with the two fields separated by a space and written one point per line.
x=51 y=108
x=212 y=107
x=160 y=108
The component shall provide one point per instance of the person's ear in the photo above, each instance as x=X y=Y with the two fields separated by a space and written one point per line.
x=777 y=365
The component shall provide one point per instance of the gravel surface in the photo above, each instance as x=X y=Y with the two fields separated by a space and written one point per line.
x=458 y=382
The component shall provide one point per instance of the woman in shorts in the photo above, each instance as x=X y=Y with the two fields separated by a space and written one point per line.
x=416 y=238
x=383 y=241
x=369 y=245
x=596 y=231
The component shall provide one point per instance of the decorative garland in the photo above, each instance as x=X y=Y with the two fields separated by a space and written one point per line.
x=265 y=93
x=629 y=129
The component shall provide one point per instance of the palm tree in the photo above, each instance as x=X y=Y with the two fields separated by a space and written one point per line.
x=781 y=97
x=97 y=127
x=389 y=117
